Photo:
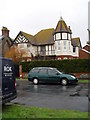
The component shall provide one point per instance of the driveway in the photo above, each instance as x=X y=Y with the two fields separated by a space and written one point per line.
x=52 y=96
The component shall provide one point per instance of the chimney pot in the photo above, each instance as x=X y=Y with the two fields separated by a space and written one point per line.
x=5 y=31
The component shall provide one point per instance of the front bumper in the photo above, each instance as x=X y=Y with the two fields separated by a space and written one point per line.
x=73 y=81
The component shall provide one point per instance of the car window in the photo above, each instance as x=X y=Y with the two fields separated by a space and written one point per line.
x=52 y=72
x=35 y=71
x=43 y=71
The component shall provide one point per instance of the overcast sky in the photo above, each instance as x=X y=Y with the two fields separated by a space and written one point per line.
x=31 y=16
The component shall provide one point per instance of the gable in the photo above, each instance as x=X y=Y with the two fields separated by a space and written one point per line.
x=76 y=42
x=23 y=37
x=20 y=39
x=87 y=47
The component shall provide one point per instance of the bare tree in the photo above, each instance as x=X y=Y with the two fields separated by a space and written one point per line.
x=16 y=54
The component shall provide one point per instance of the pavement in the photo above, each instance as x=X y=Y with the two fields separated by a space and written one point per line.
x=53 y=96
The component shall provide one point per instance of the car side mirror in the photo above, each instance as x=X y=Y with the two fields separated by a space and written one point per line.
x=57 y=73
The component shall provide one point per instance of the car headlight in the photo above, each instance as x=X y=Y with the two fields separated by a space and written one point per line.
x=73 y=77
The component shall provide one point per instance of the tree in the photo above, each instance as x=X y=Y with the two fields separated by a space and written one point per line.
x=16 y=54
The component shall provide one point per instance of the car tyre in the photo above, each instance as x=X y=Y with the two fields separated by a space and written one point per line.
x=64 y=82
x=35 y=81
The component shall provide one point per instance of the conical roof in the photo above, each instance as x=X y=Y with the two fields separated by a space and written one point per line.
x=62 y=27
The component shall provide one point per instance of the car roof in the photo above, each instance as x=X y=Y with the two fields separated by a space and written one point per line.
x=43 y=68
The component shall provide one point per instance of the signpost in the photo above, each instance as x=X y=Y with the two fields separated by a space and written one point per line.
x=20 y=71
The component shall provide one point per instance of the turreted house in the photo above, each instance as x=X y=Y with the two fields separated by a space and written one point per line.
x=50 y=43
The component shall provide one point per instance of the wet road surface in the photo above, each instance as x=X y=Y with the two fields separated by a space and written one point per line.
x=52 y=96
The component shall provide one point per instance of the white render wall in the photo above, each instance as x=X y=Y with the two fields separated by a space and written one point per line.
x=63 y=51
x=76 y=54
x=29 y=50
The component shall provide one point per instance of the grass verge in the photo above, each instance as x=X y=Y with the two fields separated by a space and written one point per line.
x=84 y=81
x=21 y=111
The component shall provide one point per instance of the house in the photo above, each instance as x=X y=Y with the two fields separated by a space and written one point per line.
x=85 y=51
x=55 y=44
x=5 y=41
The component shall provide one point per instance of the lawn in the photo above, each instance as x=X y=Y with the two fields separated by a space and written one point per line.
x=84 y=81
x=21 y=111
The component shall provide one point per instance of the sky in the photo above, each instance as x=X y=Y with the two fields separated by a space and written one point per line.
x=31 y=16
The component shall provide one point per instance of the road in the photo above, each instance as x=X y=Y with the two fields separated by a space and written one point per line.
x=53 y=96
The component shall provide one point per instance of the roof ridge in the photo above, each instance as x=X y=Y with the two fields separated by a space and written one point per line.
x=26 y=33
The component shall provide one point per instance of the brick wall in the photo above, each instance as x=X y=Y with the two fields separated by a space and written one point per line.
x=83 y=54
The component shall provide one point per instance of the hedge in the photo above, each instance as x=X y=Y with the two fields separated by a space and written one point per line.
x=67 y=66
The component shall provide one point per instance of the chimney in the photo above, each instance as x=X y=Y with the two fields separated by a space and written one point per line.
x=5 y=31
x=69 y=27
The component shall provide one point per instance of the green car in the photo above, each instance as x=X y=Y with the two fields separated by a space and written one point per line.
x=50 y=75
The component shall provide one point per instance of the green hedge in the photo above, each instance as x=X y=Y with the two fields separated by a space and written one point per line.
x=67 y=66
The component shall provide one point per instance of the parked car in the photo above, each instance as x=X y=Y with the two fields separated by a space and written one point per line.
x=48 y=74
x=7 y=80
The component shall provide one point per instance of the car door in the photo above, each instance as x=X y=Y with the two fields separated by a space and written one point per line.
x=53 y=75
x=43 y=76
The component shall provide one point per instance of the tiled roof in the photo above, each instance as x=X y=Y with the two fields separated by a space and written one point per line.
x=87 y=47
x=45 y=37
x=62 y=27
x=76 y=42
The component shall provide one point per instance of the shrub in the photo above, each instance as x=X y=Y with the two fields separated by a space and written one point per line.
x=67 y=66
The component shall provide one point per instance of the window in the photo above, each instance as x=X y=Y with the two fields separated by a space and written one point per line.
x=74 y=49
x=48 y=47
x=22 y=46
x=58 y=36
x=65 y=58
x=43 y=50
x=35 y=70
x=59 y=58
x=43 y=71
x=69 y=36
x=64 y=35
x=58 y=45
x=52 y=71
x=64 y=43
x=69 y=46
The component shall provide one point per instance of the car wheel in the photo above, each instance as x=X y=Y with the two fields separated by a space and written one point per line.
x=35 y=81
x=64 y=82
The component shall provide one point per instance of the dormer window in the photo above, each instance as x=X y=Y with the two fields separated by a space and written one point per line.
x=69 y=37
x=64 y=35
x=58 y=36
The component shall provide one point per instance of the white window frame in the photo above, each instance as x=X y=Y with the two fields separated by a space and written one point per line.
x=64 y=45
x=58 y=36
x=64 y=36
x=59 y=47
